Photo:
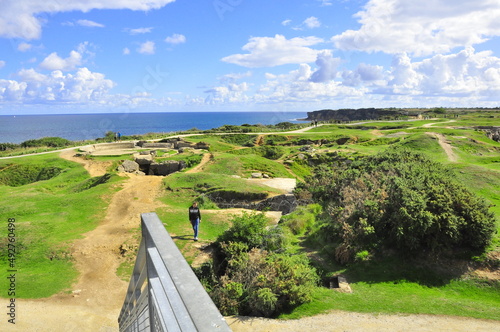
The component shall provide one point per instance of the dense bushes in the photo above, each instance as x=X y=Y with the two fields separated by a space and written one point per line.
x=251 y=275
x=398 y=200
x=53 y=142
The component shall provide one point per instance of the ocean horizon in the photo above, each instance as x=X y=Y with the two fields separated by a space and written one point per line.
x=80 y=127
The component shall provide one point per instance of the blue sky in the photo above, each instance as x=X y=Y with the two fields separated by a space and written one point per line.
x=85 y=56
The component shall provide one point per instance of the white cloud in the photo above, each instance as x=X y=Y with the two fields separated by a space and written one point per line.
x=232 y=93
x=327 y=67
x=21 y=18
x=363 y=74
x=23 y=47
x=126 y=51
x=2 y=64
x=421 y=28
x=325 y=2
x=55 y=62
x=466 y=78
x=139 y=31
x=275 y=51
x=312 y=22
x=34 y=87
x=286 y=22
x=175 y=39
x=147 y=48
x=90 y=24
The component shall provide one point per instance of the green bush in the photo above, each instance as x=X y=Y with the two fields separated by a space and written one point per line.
x=54 y=142
x=251 y=230
x=399 y=200
x=8 y=146
x=302 y=219
x=249 y=277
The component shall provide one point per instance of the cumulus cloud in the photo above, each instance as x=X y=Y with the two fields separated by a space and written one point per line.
x=231 y=93
x=21 y=18
x=275 y=51
x=147 y=48
x=175 y=39
x=463 y=74
x=465 y=78
x=55 y=62
x=312 y=22
x=363 y=74
x=420 y=28
x=327 y=67
x=35 y=87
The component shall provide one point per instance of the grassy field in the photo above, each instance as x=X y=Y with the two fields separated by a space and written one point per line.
x=52 y=213
x=49 y=215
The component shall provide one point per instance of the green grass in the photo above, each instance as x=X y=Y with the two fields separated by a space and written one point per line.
x=244 y=165
x=49 y=216
x=393 y=286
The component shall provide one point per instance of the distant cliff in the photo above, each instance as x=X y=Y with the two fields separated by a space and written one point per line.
x=352 y=114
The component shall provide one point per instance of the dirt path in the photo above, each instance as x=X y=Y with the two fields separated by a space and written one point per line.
x=93 y=167
x=203 y=162
x=97 y=297
x=448 y=149
x=342 y=321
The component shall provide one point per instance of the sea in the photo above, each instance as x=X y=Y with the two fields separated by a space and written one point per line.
x=79 y=127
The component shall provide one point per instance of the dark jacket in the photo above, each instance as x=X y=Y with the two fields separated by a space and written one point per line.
x=194 y=213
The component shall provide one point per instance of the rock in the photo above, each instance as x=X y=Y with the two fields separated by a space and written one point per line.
x=202 y=145
x=256 y=175
x=130 y=166
x=265 y=176
x=143 y=159
x=343 y=286
x=121 y=169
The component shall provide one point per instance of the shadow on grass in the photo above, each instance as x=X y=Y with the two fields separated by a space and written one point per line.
x=401 y=270
x=183 y=237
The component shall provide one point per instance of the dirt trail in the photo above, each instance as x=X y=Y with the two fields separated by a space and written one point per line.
x=199 y=167
x=94 y=168
x=448 y=149
x=97 y=297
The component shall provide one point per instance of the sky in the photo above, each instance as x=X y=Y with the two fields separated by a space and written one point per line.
x=88 y=56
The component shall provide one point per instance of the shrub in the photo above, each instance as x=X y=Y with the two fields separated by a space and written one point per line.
x=249 y=277
x=54 y=142
x=399 y=200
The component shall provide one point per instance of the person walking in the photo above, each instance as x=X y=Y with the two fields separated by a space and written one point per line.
x=195 y=219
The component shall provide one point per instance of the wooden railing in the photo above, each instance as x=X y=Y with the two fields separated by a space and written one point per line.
x=164 y=294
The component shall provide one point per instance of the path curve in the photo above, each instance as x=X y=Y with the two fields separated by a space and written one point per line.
x=96 y=298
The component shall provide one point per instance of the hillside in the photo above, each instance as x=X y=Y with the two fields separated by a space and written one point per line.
x=96 y=251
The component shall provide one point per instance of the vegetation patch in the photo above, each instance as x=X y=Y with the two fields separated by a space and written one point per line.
x=403 y=201
x=252 y=275
x=16 y=175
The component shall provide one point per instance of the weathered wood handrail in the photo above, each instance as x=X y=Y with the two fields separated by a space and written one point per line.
x=164 y=294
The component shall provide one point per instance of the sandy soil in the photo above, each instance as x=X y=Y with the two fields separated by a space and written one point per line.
x=97 y=296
